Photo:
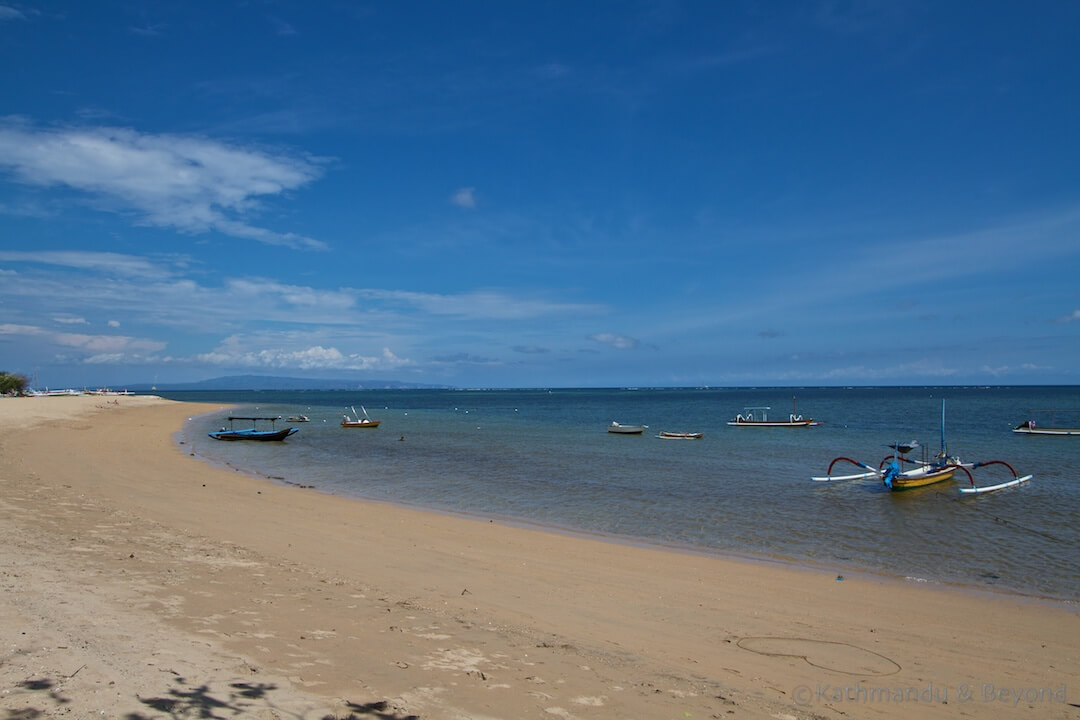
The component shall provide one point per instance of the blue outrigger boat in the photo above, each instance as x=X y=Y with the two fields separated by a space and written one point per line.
x=253 y=433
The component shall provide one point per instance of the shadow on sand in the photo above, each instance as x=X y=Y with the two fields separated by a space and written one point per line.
x=191 y=701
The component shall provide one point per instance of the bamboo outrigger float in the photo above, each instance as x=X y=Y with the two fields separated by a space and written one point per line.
x=924 y=472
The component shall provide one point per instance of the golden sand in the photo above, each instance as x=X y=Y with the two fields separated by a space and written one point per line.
x=139 y=582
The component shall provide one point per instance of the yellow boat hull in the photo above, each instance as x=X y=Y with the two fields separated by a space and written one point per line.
x=921 y=477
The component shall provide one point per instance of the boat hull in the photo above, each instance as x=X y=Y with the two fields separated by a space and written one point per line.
x=921 y=477
x=680 y=435
x=618 y=429
x=774 y=423
x=259 y=435
x=1028 y=430
x=361 y=424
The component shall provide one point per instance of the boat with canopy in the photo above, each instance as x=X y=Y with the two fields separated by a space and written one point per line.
x=253 y=432
x=758 y=416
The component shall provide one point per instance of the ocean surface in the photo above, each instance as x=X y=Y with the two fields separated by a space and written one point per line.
x=544 y=458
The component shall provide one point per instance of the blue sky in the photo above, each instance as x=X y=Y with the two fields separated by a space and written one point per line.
x=546 y=194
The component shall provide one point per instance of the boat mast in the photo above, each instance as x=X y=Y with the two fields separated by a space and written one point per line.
x=944 y=449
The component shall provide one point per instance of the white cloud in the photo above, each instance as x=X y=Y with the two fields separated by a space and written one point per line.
x=262 y=291
x=114 y=323
x=192 y=184
x=106 y=343
x=10 y=13
x=620 y=342
x=914 y=369
x=1075 y=317
x=103 y=262
x=464 y=197
x=231 y=353
x=16 y=329
x=96 y=344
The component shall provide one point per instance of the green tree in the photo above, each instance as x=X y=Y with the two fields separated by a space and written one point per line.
x=12 y=383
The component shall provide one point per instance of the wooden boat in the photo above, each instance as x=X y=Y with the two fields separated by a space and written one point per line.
x=925 y=474
x=620 y=429
x=252 y=433
x=926 y=471
x=358 y=422
x=664 y=435
x=1030 y=427
x=759 y=417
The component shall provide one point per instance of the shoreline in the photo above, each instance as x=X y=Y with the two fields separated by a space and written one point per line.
x=768 y=559
x=217 y=580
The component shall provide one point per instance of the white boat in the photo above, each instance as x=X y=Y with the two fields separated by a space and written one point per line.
x=759 y=417
x=620 y=429
x=665 y=435
x=1031 y=427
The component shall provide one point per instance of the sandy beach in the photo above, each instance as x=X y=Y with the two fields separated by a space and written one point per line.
x=139 y=582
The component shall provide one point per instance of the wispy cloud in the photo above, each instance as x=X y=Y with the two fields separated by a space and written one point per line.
x=464 y=197
x=101 y=262
x=620 y=342
x=192 y=184
x=489 y=304
x=112 y=344
x=9 y=13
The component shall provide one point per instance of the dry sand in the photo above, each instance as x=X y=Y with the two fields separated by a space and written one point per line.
x=137 y=582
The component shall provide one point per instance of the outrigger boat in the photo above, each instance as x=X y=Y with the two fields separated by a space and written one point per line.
x=252 y=433
x=927 y=471
x=1030 y=427
x=759 y=417
x=358 y=422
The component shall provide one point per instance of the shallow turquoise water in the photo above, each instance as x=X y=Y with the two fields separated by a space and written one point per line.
x=544 y=457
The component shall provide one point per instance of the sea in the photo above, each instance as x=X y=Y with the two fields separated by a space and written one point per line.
x=543 y=458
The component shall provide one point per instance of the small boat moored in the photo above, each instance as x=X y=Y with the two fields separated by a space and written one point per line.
x=358 y=422
x=1031 y=427
x=253 y=433
x=620 y=429
x=926 y=471
x=664 y=435
x=298 y=418
x=759 y=417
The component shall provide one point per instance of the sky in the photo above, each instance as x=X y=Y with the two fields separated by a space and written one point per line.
x=541 y=194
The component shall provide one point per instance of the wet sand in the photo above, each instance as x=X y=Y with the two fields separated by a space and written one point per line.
x=139 y=582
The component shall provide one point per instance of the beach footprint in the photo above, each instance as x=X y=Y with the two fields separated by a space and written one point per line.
x=836 y=656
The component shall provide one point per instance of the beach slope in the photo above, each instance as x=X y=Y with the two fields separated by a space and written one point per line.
x=139 y=582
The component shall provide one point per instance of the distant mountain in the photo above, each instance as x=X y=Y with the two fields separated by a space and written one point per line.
x=268 y=382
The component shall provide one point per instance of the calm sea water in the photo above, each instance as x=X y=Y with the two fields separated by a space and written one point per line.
x=544 y=457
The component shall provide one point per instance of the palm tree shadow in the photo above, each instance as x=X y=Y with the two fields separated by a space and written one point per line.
x=190 y=702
